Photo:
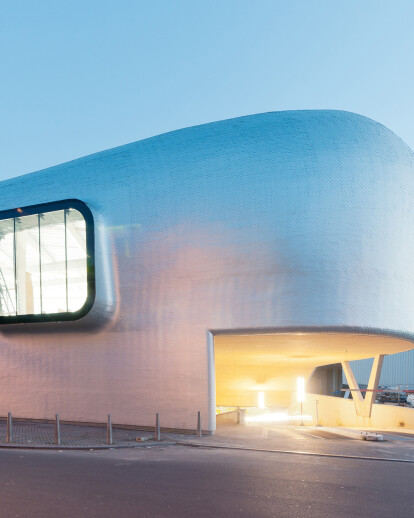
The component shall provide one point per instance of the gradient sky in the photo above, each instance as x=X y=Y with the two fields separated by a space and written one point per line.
x=80 y=76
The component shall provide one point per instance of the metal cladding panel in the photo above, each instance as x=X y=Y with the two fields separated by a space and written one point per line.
x=294 y=220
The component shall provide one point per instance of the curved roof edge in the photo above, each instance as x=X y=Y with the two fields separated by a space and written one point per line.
x=219 y=122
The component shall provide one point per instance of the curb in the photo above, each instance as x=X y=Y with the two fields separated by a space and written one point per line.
x=352 y=434
x=291 y=452
x=146 y=444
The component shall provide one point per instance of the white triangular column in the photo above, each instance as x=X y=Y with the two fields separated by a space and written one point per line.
x=363 y=406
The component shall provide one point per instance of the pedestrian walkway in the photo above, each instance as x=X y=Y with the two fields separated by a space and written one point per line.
x=304 y=439
x=42 y=434
x=294 y=439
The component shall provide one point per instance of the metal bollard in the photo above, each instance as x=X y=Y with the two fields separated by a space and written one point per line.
x=238 y=416
x=317 y=414
x=57 y=429
x=9 y=428
x=157 y=428
x=199 y=434
x=109 y=430
x=242 y=416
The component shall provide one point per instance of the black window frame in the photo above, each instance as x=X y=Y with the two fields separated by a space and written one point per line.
x=44 y=208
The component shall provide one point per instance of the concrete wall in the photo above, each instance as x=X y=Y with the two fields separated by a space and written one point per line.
x=325 y=380
x=333 y=411
x=281 y=220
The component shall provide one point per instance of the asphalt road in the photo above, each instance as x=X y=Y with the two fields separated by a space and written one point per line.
x=185 y=482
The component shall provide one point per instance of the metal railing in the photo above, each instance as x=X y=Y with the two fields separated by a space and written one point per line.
x=12 y=438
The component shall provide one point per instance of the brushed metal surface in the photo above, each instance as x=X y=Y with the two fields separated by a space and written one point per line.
x=280 y=220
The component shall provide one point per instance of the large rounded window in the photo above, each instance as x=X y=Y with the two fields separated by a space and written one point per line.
x=46 y=262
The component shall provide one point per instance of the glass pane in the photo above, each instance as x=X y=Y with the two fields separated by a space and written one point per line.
x=77 y=259
x=53 y=262
x=27 y=265
x=7 y=280
x=43 y=263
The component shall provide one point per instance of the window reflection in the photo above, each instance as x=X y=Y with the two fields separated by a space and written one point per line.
x=76 y=259
x=53 y=262
x=27 y=265
x=43 y=263
x=7 y=280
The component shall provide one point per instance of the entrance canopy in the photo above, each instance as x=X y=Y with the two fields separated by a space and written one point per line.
x=248 y=364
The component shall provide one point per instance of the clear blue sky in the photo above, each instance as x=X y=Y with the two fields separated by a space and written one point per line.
x=80 y=76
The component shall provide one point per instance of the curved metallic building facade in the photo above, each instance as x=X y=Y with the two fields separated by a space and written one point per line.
x=296 y=226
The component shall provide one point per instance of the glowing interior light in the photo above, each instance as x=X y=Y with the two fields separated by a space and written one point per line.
x=261 y=399
x=43 y=263
x=301 y=389
x=277 y=417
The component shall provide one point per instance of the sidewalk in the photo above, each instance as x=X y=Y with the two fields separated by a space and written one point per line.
x=28 y=434
x=304 y=440
x=293 y=439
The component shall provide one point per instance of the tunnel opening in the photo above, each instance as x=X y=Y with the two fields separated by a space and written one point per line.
x=260 y=372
